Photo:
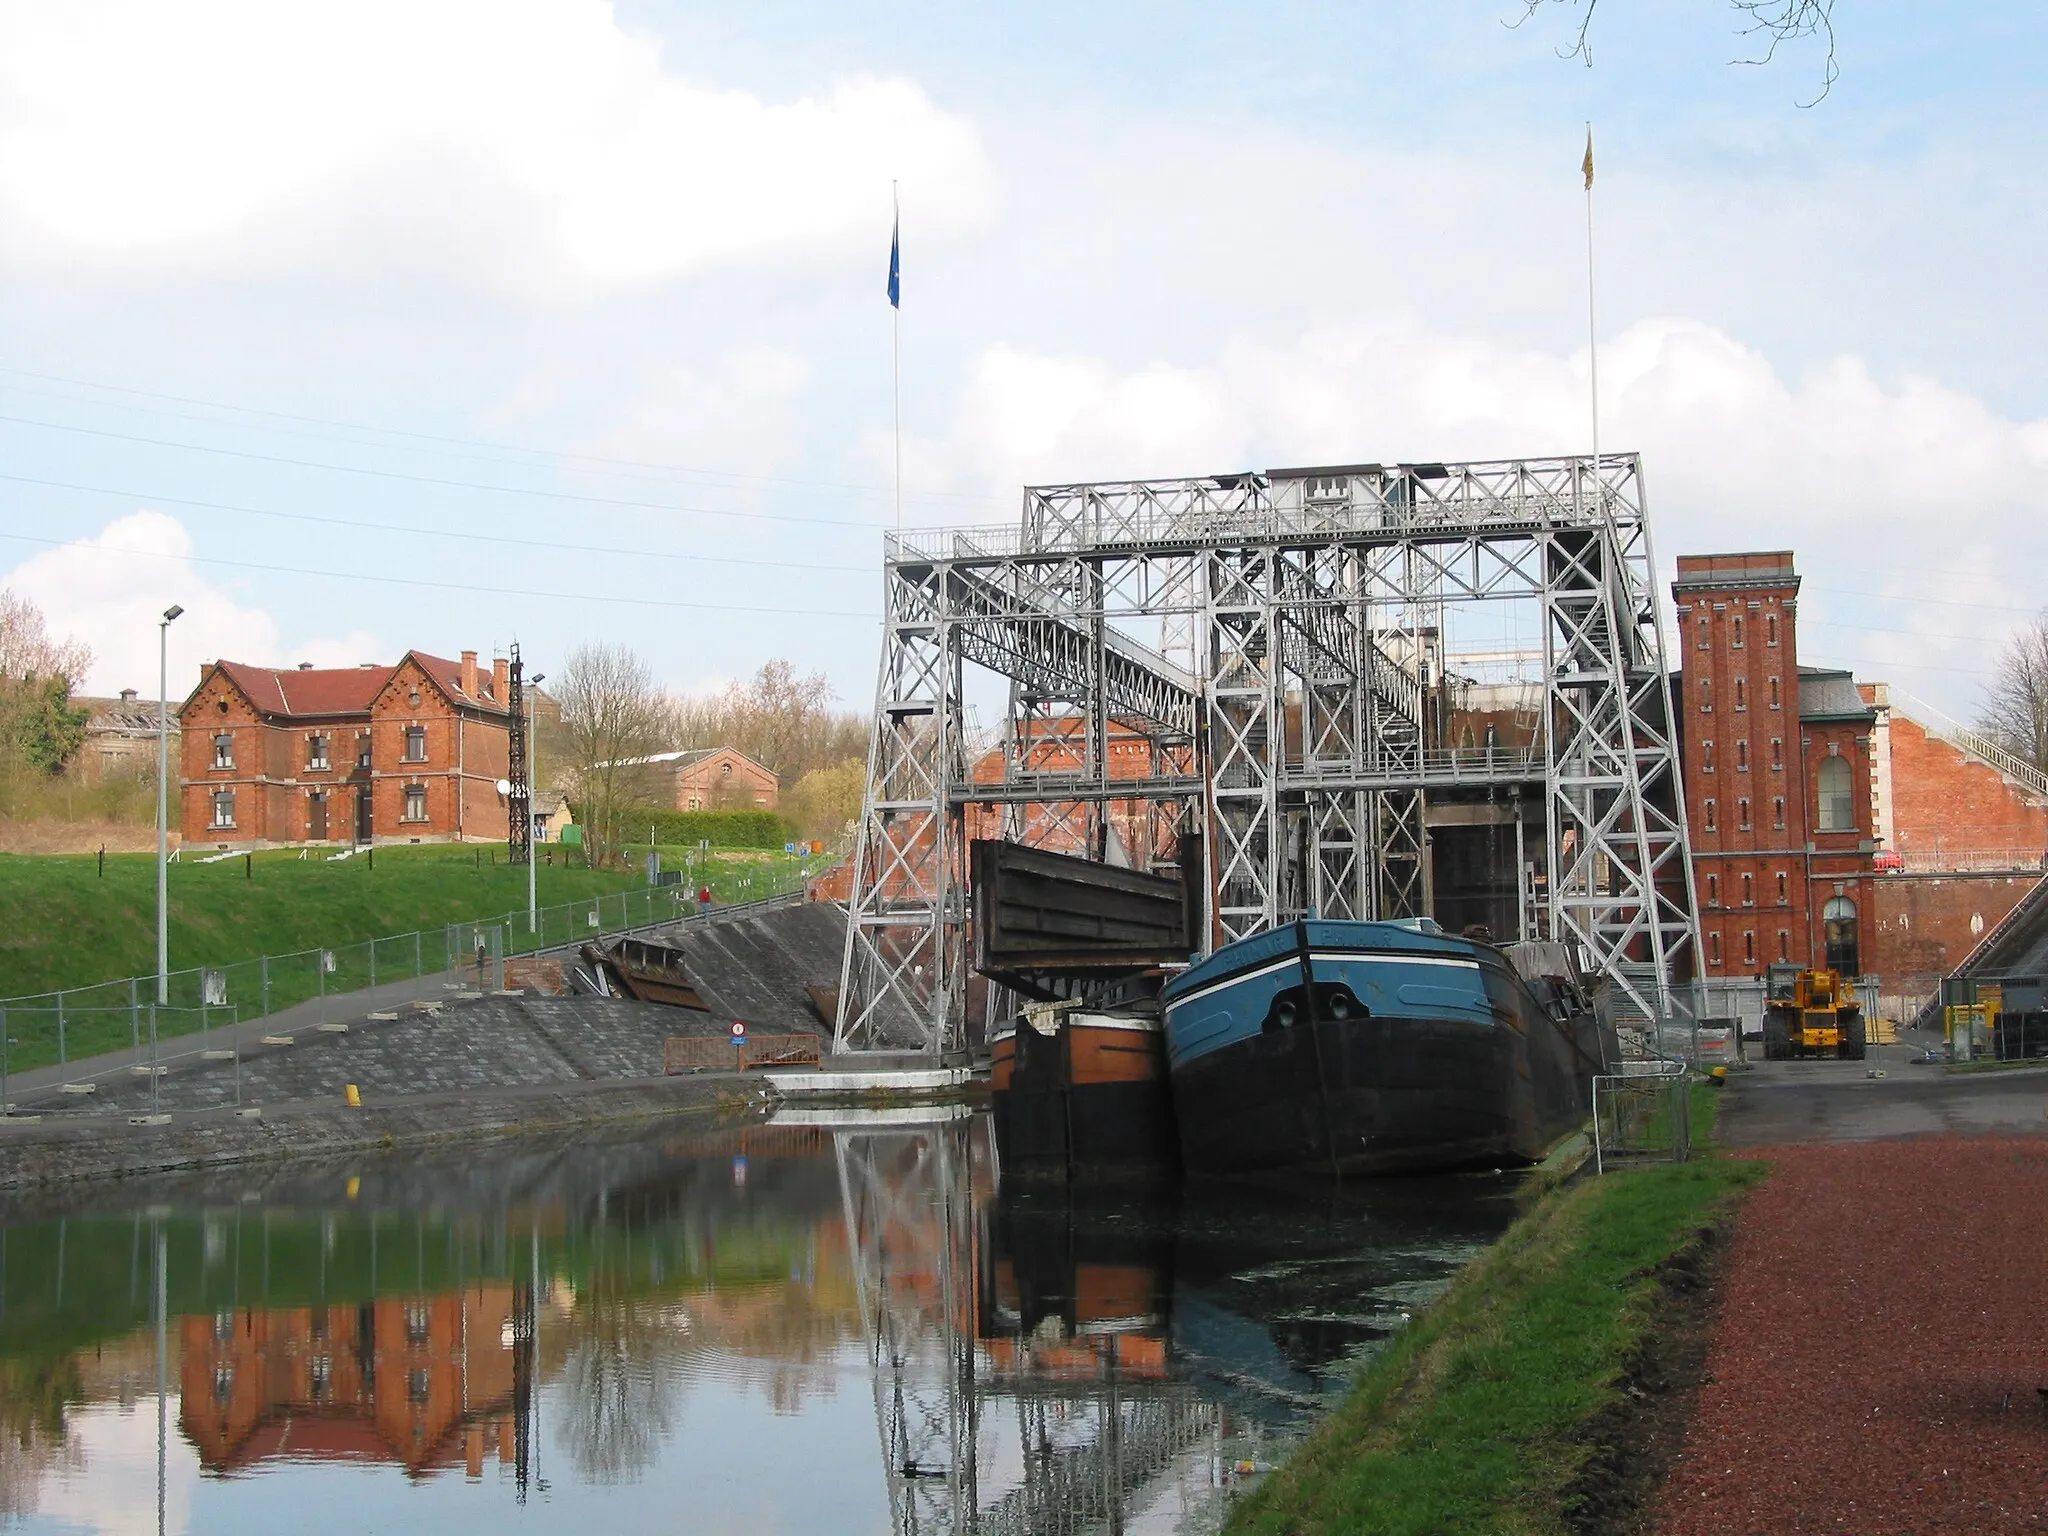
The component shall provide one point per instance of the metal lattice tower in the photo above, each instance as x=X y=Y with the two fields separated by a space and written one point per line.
x=1282 y=710
x=519 y=802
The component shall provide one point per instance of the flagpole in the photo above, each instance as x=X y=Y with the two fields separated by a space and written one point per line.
x=1592 y=325
x=896 y=362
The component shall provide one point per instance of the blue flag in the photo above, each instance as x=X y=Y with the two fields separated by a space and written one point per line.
x=895 y=268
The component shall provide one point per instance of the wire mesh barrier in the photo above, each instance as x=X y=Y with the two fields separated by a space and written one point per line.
x=1642 y=1117
x=81 y=1025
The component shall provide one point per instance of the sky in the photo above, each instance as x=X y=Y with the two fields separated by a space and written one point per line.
x=445 y=323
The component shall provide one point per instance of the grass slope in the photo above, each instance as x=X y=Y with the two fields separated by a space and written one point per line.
x=62 y=925
x=1474 y=1419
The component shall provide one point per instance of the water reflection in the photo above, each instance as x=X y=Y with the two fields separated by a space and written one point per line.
x=845 y=1326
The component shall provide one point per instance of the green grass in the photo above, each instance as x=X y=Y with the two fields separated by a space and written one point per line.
x=64 y=925
x=1469 y=1422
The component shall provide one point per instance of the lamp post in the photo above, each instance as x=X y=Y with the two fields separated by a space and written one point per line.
x=163 y=802
x=532 y=911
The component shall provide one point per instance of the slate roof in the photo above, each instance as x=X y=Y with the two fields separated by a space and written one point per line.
x=1827 y=693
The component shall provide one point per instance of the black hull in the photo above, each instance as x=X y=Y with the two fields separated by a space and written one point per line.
x=1380 y=1095
x=1049 y=1127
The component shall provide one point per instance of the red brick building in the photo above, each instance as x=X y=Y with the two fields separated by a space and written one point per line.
x=407 y=753
x=1778 y=769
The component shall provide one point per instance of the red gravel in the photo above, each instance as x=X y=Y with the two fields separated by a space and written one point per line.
x=1882 y=1336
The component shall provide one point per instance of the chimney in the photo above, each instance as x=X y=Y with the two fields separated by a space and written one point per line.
x=305 y=666
x=469 y=674
x=501 y=678
x=127 y=695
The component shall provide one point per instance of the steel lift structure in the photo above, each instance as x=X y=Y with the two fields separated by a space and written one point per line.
x=1254 y=659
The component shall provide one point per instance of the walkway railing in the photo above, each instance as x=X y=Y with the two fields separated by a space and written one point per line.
x=80 y=1022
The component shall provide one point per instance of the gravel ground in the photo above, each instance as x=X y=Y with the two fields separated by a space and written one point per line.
x=1880 y=1359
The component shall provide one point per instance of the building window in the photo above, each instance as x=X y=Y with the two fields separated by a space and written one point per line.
x=1713 y=890
x=417 y=1383
x=415 y=744
x=1748 y=899
x=1749 y=948
x=418 y=1322
x=1770 y=629
x=224 y=808
x=1737 y=624
x=1837 y=802
x=1838 y=931
x=363 y=750
x=696 y=804
x=1706 y=757
x=1741 y=694
x=1778 y=812
x=1711 y=825
x=224 y=751
x=1784 y=934
x=316 y=752
x=415 y=803
x=726 y=769
x=1706 y=695
x=1742 y=755
x=1703 y=632
x=1742 y=812
x=1778 y=753
x=1776 y=701
x=1783 y=899
x=1713 y=949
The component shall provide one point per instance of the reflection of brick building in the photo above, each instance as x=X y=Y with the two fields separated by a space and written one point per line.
x=411 y=753
x=424 y=1382
x=1778 y=765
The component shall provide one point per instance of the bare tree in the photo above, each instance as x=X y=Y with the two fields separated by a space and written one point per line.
x=782 y=721
x=2015 y=711
x=613 y=719
x=1765 y=25
x=39 y=730
x=27 y=649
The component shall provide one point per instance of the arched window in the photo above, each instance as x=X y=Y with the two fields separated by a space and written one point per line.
x=1838 y=932
x=1837 y=801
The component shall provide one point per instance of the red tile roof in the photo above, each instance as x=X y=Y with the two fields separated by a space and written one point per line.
x=449 y=675
x=312 y=691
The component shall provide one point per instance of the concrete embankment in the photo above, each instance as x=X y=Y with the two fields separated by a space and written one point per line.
x=463 y=1065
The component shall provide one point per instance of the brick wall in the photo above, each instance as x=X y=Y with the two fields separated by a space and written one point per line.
x=1926 y=924
x=1946 y=804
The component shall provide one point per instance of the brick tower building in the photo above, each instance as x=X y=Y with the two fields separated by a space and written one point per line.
x=1778 y=774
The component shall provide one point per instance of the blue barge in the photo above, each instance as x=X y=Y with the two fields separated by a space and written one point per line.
x=1375 y=1047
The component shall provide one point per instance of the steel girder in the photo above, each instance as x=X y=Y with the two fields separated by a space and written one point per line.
x=1302 y=602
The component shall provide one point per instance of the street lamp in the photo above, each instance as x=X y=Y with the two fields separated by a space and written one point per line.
x=532 y=911
x=163 y=802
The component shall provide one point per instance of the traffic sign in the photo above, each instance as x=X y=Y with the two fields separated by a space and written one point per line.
x=739 y=1029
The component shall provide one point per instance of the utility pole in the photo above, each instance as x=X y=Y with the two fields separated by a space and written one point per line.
x=163 y=803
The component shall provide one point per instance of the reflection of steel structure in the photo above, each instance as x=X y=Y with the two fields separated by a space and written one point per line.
x=1086 y=1445
x=1285 y=709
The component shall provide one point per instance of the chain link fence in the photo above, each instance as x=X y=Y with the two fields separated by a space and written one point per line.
x=82 y=1023
x=1642 y=1117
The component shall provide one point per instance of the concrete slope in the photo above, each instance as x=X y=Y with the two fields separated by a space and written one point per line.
x=755 y=969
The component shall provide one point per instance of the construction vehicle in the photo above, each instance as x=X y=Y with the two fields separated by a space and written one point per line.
x=1811 y=1013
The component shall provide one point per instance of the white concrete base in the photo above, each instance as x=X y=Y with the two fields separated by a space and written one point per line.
x=147 y=1071
x=277 y=1040
x=803 y=1083
x=384 y=1018
x=81 y=1087
x=332 y=1029
x=254 y=1112
x=149 y=1119
x=216 y=1055
x=852 y=1117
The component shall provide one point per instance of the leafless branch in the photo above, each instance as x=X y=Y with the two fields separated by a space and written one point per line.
x=1771 y=22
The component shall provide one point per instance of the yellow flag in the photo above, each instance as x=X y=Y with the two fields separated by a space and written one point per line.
x=1586 y=165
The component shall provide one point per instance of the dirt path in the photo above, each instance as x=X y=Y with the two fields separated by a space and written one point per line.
x=1881 y=1360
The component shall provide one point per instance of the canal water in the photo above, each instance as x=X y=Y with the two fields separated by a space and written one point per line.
x=846 y=1326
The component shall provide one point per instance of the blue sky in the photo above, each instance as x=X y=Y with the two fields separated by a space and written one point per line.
x=359 y=328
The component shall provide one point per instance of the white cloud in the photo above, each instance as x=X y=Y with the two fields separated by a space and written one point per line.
x=1904 y=488
x=508 y=141
x=114 y=1493
x=112 y=589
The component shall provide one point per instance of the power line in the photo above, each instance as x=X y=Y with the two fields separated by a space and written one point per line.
x=438 y=533
x=470 y=485
x=444 y=586
x=444 y=439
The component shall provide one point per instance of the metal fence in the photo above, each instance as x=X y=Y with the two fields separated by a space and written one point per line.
x=1642 y=1117
x=1710 y=1020
x=78 y=1023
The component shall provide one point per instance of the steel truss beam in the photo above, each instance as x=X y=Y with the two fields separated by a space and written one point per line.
x=1296 y=622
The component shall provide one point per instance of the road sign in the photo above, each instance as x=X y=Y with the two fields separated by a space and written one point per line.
x=789 y=847
x=739 y=1029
